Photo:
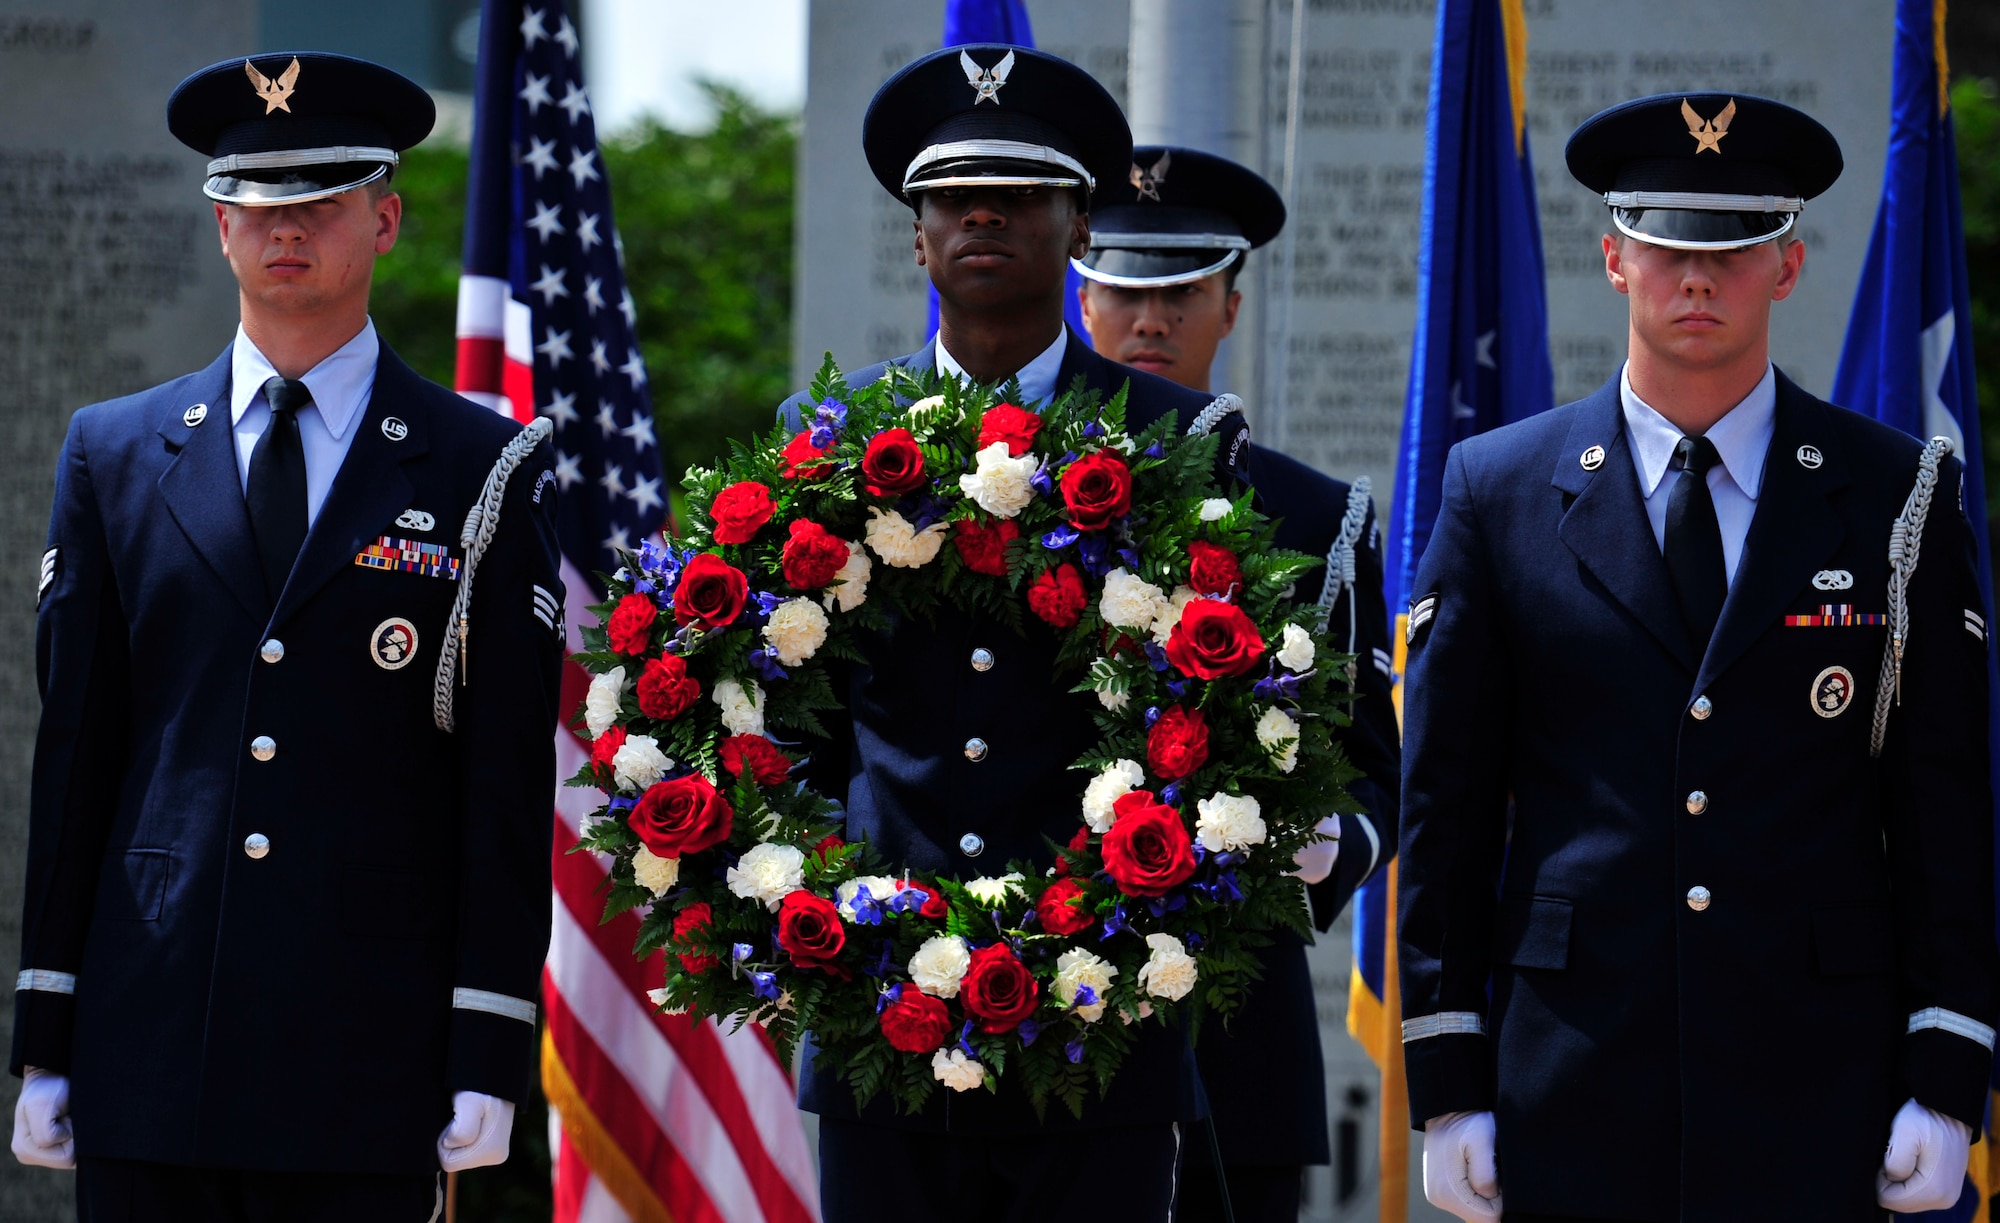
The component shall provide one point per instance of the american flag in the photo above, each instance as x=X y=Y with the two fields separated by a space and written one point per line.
x=651 y=1117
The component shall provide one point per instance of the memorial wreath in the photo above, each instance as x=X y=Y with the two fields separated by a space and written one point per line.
x=909 y=498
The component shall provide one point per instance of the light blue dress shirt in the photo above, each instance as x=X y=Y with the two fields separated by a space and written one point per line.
x=1742 y=437
x=340 y=386
x=1037 y=377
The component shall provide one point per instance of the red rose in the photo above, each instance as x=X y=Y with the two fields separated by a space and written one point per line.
x=1079 y=845
x=666 y=690
x=984 y=548
x=1147 y=851
x=934 y=905
x=799 y=454
x=631 y=625
x=1097 y=488
x=768 y=766
x=1212 y=569
x=1178 y=743
x=915 y=1022
x=1009 y=424
x=809 y=931
x=740 y=511
x=812 y=555
x=893 y=464
x=712 y=592
x=682 y=816
x=1062 y=908
x=691 y=924
x=605 y=746
x=827 y=845
x=1214 y=639
x=998 y=989
x=1057 y=596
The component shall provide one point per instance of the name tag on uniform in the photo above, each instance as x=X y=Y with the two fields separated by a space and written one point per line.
x=1835 y=615
x=409 y=556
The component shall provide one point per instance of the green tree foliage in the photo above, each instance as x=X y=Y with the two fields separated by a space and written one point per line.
x=1975 y=104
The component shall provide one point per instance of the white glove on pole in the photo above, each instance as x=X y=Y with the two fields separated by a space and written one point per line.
x=1461 y=1174
x=1315 y=860
x=41 y=1121
x=1924 y=1167
x=477 y=1135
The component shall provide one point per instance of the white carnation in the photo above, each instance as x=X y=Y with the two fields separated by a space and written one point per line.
x=850 y=583
x=957 y=1071
x=940 y=965
x=1130 y=601
x=1170 y=971
x=1114 y=701
x=796 y=630
x=1120 y=778
x=990 y=891
x=742 y=710
x=1279 y=737
x=1170 y=613
x=654 y=873
x=925 y=411
x=900 y=544
x=879 y=888
x=600 y=704
x=1000 y=484
x=639 y=763
x=1215 y=508
x=1229 y=821
x=658 y=997
x=1297 y=652
x=767 y=873
x=1077 y=967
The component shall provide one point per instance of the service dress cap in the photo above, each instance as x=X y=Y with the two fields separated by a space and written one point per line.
x=1177 y=215
x=994 y=115
x=287 y=127
x=1704 y=171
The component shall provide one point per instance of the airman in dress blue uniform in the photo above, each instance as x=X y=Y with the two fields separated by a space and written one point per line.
x=1696 y=882
x=287 y=875
x=1166 y=247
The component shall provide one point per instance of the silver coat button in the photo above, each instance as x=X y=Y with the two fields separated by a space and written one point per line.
x=1702 y=708
x=982 y=659
x=272 y=650
x=1698 y=898
x=972 y=845
x=975 y=750
x=256 y=845
x=1697 y=802
x=263 y=747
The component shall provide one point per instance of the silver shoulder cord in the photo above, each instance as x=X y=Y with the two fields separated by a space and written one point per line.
x=1340 y=559
x=1213 y=414
x=1906 y=539
x=481 y=522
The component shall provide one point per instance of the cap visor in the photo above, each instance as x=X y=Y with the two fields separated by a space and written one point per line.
x=1696 y=230
x=1130 y=269
x=290 y=188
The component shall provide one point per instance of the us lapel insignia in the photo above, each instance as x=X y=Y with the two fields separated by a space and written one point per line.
x=195 y=414
x=1832 y=692
x=415 y=520
x=1810 y=458
x=409 y=556
x=1708 y=133
x=1833 y=579
x=1837 y=615
x=394 y=429
x=1593 y=458
x=986 y=82
x=393 y=643
x=1421 y=612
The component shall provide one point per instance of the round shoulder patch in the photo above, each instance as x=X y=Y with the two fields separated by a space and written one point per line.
x=393 y=644
x=1832 y=692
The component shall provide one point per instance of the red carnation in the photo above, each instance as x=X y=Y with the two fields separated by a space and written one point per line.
x=1147 y=851
x=666 y=690
x=682 y=816
x=812 y=555
x=691 y=924
x=1057 y=596
x=1097 y=488
x=605 y=746
x=768 y=766
x=1009 y=424
x=934 y=904
x=1178 y=743
x=893 y=464
x=1063 y=908
x=799 y=454
x=1213 y=570
x=712 y=592
x=740 y=511
x=915 y=1022
x=1213 y=640
x=1079 y=845
x=809 y=931
x=984 y=548
x=998 y=989
x=631 y=625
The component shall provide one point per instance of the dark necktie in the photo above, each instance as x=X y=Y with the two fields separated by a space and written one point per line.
x=276 y=493
x=1694 y=540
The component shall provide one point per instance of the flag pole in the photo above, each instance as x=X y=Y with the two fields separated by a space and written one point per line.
x=451 y=1197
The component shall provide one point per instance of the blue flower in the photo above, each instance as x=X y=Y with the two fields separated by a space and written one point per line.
x=1195 y=941
x=1093 y=429
x=766 y=664
x=1029 y=1030
x=1061 y=537
x=1074 y=1051
x=866 y=909
x=1156 y=657
x=1278 y=687
x=962 y=1034
x=739 y=952
x=623 y=804
x=1171 y=793
x=1156 y=450
x=1152 y=715
x=1177 y=688
x=829 y=418
x=1130 y=556
x=764 y=985
x=1042 y=481
x=890 y=993
x=907 y=899
x=1226 y=889
x=1095 y=548
x=1113 y=923
x=1085 y=996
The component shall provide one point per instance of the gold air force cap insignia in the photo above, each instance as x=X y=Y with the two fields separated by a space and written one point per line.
x=986 y=82
x=277 y=95
x=1147 y=182
x=1708 y=133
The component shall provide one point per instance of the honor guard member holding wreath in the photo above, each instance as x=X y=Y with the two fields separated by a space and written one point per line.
x=287 y=880
x=961 y=736
x=1166 y=246
x=1697 y=862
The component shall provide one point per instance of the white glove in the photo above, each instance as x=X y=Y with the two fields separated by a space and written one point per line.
x=477 y=1135
x=1461 y=1174
x=1924 y=1167
x=1315 y=861
x=41 y=1121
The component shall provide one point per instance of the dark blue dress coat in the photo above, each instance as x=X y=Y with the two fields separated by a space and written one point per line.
x=305 y=1010
x=1652 y=1052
